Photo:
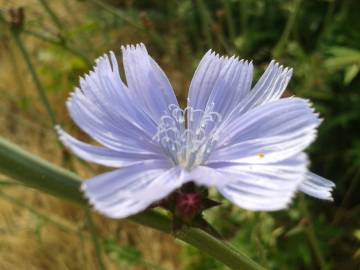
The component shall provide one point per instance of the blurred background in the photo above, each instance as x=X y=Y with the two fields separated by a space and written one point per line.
x=46 y=45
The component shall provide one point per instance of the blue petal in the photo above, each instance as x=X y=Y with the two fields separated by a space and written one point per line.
x=268 y=133
x=103 y=109
x=219 y=83
x=106 y=156
x=262 y=187
x=147 y=83
x=270 y=87
x=317 y=186
x=129 y=190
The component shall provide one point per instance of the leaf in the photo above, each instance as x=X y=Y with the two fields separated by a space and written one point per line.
x=357 y=234
x=342 y=57
x=350 y=73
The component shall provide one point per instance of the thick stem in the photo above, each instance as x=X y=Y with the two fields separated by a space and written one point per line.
x=42 y=175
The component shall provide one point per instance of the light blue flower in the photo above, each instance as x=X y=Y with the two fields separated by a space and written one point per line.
x=244 y=141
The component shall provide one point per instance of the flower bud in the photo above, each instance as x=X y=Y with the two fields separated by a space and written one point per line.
x=188 y=205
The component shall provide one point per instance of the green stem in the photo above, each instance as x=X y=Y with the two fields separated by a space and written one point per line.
x=229 y=20
x=223 y=42
x=95 y=240
x=310 y=233
x=42 y=175
x=243 y=8
x=38 y=174
x=328 y=20
x=205 y=22
x=218 y=249
x=119 y=14
x=7 y=183
x=61 y=44
x=277 y=51
x=51 y=13
x=17 y=73
x=354 y=174
x=39 y=86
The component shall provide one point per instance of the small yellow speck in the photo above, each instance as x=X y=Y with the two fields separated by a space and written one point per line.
x=261 y=155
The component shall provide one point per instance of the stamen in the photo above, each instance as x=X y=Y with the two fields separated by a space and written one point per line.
x=187 y=136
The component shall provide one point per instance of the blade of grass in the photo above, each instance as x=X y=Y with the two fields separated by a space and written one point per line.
x=17 y=73
x=279 y=48
x=52 y=14
x=119 y=14
x=41 y=91
x=205 y=22
x=42 y=175
x=229 y=19
x=353 y=174
x=328 y=21
x=95 y=239
x=311 y=235
x=61 y=44
x=244 y=17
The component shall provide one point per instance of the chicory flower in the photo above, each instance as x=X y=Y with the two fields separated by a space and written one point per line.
x=245 y=141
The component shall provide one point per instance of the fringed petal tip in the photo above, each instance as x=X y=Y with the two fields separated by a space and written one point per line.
x=211 y=53
x=282 y=68
x=133 y=47
x=94 y=205
x=131 y=190
x=60 y=132
x=87 y=196
x=57 y=128
x=256 y=204
x=108 y=210
x=318 y=187
x=63 y=136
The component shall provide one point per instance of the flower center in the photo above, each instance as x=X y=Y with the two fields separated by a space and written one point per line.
x=187 y=135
